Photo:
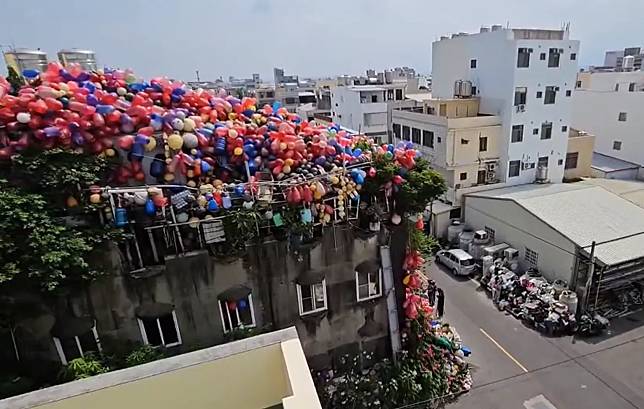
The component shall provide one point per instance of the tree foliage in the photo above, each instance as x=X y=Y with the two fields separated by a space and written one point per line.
x=423 y=185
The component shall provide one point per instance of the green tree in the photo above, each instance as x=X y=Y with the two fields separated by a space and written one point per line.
x=15 y=80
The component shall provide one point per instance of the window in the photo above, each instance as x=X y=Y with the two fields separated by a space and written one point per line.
x=438 y=139
x=490 y=232
x=617 y=145
x=473 y=90
x=616 y=87
x=464 y=141
x=571 y=160
x=405 y=132
x=531 y=257
x=543 y=162
x=237 y=313
x=473 y=63
x=523 y=58
x=390 y=95
x=539 y=94
x=481 y=177
x=396 y=128
x=399 y=94
x=374 y=98
x=578 y=84
x=573 y=56
x=290 y=100
x=513 y=168
x=442 y=110
x=568 y=93
x=160 y=331
x=564 y=128
x=559 y=162
x=70 y=348
x=631 y=87
x=520 y=96
x=542 y=56
x=546 y=130
x=517 y=133
x=483 y=144
x=621 y=117
x=553 y=58
x=368 y=285
x=535 y=131
x=415 y=135
x=428 y=138
x=311 y=297
x=551 y=95
x=463 y=176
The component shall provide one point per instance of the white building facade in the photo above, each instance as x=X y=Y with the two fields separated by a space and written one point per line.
x=362 y=108
x=610 y=105
x=524 y=76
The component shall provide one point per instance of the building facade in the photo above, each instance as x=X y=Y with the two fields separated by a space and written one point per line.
x=610 y=105
x=524 y=76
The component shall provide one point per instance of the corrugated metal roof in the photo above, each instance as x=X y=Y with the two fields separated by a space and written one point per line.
x=584 y=213
x=609 y=164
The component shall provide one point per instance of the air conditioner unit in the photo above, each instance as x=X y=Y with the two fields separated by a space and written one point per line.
x=521 y=108
x=490 y=166
x=556 y=89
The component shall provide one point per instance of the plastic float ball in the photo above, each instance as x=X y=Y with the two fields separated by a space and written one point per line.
x=95 y=198
x=190 y=140
x=23 y=117
x=175 y=141
x=71 y=202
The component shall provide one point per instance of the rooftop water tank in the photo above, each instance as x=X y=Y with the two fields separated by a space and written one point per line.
x=542 y=174
x=85 y=58
x=454 y=230
x=24 y=59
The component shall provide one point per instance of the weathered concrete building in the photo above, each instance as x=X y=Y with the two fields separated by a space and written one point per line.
x=331 y=290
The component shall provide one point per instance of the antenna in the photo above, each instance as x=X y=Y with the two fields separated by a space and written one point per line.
x=197 y=72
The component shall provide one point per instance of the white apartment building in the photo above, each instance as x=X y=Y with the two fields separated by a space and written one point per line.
x=365 y=103
x=524 y=76
x=610 y=105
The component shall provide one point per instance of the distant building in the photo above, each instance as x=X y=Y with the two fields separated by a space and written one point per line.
x=24 y=59
x=280 y=78
x=85 y=58
x=609 y=105
x=272 y=364
x=524 y=76
x=628 y=59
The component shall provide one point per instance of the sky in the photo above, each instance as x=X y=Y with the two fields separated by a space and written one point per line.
x=311 y=38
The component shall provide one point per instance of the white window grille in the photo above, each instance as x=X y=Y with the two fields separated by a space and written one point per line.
x=311 y=298
x=237 y=314
x=368 y=285
x=70 y=348
x=531 y=257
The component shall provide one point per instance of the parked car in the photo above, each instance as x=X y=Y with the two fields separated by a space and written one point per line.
x=458 y=261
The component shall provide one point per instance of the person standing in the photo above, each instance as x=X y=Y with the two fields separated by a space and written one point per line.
x=431 y=292
x=440 y=302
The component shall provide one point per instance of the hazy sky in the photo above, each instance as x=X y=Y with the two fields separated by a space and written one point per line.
x=305 y=37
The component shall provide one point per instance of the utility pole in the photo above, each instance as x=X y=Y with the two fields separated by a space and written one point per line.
x=589 y=279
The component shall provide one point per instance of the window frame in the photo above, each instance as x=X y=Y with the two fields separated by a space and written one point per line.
x=483 y=143
x=554 y=57
x=570 y=158
x=622 y=117
x=546 y=131
x=617 y=145
x=552 y=91
x=473 y=63
x=573 y=56
x=61 y=352
x=520 y=96
x=416 y=137
x=520 y=138
x=523 y=57
x=398 y=134
x=300 y=303
x=371 y=296
x=518 y=168
x=540 y=159
x=144 y=334
x=531 y=257
x=253 y=323
x=408 y=133
x=428 y=136
x=462 y=176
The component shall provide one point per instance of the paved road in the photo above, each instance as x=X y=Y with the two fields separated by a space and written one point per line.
x=517 y=368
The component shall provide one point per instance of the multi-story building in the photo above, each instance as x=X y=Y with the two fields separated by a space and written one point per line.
x=609 y=105
x=628 y=59
x=462 y=144
x=365 y=103
x=524 y=76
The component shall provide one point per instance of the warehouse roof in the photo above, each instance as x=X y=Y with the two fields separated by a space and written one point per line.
x=583 y=213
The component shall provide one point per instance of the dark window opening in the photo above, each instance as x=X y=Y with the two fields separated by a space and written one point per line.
x=513 y=169
x=553 y=58
x=523 y=58
x=546 y=130
x=517 y=133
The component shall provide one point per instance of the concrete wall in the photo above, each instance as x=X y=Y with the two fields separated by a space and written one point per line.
x=192 y=283
x=597 y=107
x=520 y=229
x=583 y=145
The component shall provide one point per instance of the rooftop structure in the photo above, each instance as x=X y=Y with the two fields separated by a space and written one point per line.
x=85 y=58
x=273 y=364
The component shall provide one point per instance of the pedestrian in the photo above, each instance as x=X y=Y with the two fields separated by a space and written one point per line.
x=431 y=292
x=440 y=302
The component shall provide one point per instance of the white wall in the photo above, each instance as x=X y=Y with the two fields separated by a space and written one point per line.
x=367 y=117
x=596 y=110
x=496 y=76
x=520 y=229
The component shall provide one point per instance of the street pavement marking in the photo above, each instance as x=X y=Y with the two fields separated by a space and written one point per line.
x=539 y=402
x=504 y=351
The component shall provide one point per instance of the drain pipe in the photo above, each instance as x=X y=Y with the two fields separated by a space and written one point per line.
x=392 y=308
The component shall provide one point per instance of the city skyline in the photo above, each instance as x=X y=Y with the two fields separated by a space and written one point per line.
x=255 y=37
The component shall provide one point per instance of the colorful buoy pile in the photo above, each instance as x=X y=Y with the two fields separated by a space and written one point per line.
x=163 y=132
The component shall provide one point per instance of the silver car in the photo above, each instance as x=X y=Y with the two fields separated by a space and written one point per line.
x=458 y=261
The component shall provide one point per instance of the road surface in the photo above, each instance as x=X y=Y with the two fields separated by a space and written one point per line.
x=515 y=367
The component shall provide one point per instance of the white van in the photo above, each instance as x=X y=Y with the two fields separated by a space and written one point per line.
x=457 y=261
